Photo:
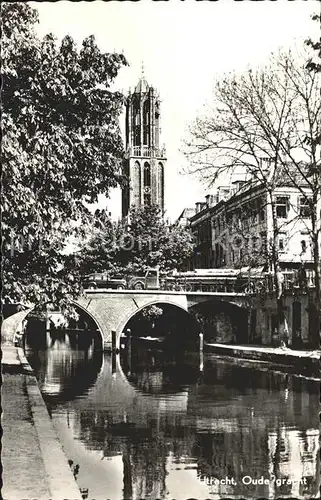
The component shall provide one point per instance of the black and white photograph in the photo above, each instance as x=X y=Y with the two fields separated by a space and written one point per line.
x=161 y=249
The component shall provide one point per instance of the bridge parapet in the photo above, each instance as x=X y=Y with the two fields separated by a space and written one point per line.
x=239 y=299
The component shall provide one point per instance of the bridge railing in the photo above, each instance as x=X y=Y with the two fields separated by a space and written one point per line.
x=237 y=284
x=214 y=285
x=292 y=280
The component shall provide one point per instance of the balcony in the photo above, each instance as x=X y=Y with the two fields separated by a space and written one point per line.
x=146 y=152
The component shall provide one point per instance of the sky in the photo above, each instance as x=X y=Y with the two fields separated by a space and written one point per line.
x=184 y=47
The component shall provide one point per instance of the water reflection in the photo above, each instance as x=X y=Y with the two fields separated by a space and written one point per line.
x=158 y=372
x=166 y=429
x=65 y=373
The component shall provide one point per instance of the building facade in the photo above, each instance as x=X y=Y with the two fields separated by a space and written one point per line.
x=236 y=230
x=145 y=158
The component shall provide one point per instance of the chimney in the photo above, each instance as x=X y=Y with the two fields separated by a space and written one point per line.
x=199 y=206
x=223 y=192
x=237 y=185
x=211 y=200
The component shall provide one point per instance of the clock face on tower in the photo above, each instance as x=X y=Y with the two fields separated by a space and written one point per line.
x=147 y=190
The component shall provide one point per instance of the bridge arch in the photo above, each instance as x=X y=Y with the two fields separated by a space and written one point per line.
x=132 y=314
x=222 y=321
x=13 y=328
x=113 y=309
x=93 y=318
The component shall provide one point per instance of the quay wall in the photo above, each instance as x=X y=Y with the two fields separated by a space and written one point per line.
x=59 y=477
x=306 y=363
x=299 y=313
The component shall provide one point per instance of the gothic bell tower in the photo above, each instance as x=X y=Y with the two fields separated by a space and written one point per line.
x=145 y=158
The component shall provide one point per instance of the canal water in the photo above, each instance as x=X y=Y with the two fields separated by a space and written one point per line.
x=175 y=426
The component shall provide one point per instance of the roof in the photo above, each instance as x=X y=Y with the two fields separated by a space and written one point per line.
x=142 y=86
x=187 y=212
x=287 y=175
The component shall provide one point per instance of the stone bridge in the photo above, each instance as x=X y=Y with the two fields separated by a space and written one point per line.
x=112 y=309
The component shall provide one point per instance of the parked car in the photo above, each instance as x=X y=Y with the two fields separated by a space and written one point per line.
x=150 y=281
x=103 y=280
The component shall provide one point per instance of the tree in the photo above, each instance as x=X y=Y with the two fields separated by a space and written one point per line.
x=99 y=250
x=151 y=241
x=314 y=63
x=61 y=148
x=263 y=122
x=145 y=240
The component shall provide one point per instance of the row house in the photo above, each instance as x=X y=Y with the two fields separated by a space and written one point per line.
x=235 y=228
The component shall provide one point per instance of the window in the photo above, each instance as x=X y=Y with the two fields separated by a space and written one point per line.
x=254 y=217
x=146 y=175
x=147 y=196
x=261 y=211
x=263 y=242
x=282 y=206
x=146 y=113
x=136 y=182
x=146 y=124
x=282 y=242
x=254 y=211
x=305 y=206
x=160 y=183
x=245 y=223
x=303 y=246
x=136 y=136
x=147 y=182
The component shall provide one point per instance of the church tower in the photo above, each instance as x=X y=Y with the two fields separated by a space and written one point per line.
x=145 y=158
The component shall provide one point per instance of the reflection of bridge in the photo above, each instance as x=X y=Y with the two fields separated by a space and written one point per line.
x=112 y=309
x=160 y=432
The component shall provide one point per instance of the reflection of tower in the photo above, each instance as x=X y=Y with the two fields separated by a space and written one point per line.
x=294 y=455
x=145 y=162
x=143 y=469
x=127 y=473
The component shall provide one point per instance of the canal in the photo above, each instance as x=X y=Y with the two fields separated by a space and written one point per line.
x=176 y=426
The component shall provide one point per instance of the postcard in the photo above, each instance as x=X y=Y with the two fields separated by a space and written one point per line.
x=161 y=250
